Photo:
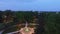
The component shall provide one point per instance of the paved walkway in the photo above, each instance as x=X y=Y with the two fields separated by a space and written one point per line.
x=1 y=32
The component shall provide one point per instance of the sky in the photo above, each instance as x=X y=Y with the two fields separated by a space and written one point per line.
x=35 y=5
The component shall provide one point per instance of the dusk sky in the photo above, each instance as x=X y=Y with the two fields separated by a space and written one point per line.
x=38 y=5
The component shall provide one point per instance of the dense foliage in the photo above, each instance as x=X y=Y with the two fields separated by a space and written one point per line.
x=49 y=22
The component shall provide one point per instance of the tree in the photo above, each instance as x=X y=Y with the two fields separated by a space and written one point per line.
x=1 y=19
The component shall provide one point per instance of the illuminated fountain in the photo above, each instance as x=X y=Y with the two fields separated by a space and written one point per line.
x=27 y=30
